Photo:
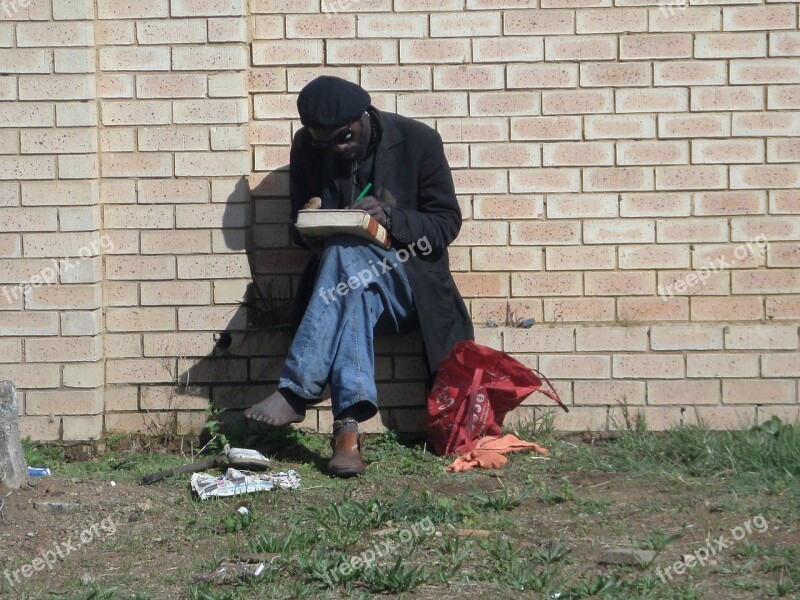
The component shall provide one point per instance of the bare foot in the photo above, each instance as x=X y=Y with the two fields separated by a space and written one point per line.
x=279 y=408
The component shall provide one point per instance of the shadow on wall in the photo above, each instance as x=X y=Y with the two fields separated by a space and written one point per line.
x=243 y=365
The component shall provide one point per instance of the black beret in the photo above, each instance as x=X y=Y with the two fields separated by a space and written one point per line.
x=328 y=101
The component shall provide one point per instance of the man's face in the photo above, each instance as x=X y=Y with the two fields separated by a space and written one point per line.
x=345 y=141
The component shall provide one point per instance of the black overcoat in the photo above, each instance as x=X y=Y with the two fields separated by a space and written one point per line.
x=413 y=177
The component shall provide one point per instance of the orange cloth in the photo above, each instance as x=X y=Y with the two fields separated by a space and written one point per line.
x=489 y=451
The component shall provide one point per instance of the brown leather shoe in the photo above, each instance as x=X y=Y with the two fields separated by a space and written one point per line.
x=346 y=443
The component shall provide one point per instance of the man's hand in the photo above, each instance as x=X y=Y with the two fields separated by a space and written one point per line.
x=373 y=207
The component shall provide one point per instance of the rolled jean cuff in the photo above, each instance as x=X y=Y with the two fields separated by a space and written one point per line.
x=362 y=410
x=286 y=384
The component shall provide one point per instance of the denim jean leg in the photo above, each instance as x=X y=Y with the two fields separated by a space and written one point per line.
x=335 y=337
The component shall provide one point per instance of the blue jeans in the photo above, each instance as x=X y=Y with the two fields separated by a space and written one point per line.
x=361 y=290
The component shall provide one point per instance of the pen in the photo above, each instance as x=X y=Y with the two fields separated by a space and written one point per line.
x=363 y=192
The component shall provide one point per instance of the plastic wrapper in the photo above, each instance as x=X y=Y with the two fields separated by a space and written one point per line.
x=235 y=482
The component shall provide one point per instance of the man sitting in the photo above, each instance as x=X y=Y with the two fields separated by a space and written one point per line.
x=345 y=147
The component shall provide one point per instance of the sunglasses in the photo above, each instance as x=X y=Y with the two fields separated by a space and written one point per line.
x=343 y=137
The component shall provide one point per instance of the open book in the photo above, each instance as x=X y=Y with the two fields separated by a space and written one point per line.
x=323 y=222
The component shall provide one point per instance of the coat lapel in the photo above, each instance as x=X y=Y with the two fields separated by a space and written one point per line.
x=390 y=143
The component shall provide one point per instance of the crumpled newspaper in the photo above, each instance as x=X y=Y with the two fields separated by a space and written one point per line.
x=235 y=482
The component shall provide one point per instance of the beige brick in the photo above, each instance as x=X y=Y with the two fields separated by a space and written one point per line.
x=230 y=291
x=137 y=164
x=610 y=393
x=575 y=366
x=126 y=9
x=27 y=324
x=81 y=323
x=482 y=284
x=121 y=398
x=212 y=164
x=176 y=242
x=662 y=366
x=547 y=75
x=518 y=259
x=693 y=126
x=680 y=18
x=28 y=167
x=285 y=53
x=212 y=58
x=784 y=43
x=230 y=29
x=764 y=176
x=743 y=18
x=722 y=365
x=83 y=375
x=776 y=70
x=140 y=267
x=618 y=178
x=10 y=351
x=611 y=338
x=26 y=61
x=172 y=138
x=583 y=205
x=146 y=370
x=437 y=104
x=127 y=345
x=150 y=112
x=646 y=310
x=210 y=111
x=173 y=191
x=171 y=86
x=758 y=391
x=683 y=392
x=57 y=87
x=320 y=26
x=39 y=376
x=211 y=215
x=730 y=45
x=52 y=34
x=652 y=100
x=81 y=349
x=780 y=365
x=28 y=114
x=213 y=267
x=227 y=85
x=730 y=203
x=135 y=58
x=546 y=284
x=179 y=31
x=690 y=72
x=544 y=180
x=621 y=283
x=140 y=319
x=766 y=124
x=727 y=309
x=40 y=428
x=692 y=230
x=208 y=8
x=426 y=51
x=652 y=153
x=57 y=141
x=177 y=344
x=580 y=258
x=783 y=150
x=768 y=337
x=620 y=126
x=88 y=402
x=152 y=423
x=511 y=49
x=579 y=310
x=686 y=337
x=76 y=114
x=577 y=102
x=756 y=229
x=503 y=103
x=215 y=318
x=601 y=47
x=506 y=207
x=728 y=151
x=610 y=20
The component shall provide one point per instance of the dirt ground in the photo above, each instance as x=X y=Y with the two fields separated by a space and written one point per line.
x=107 y=536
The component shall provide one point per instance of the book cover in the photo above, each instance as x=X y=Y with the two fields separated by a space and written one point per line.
x=324 y=222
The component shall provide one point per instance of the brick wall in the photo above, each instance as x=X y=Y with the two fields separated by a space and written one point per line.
x=628 y=173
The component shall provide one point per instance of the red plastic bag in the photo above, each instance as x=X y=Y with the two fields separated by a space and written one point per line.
x=475 y=387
